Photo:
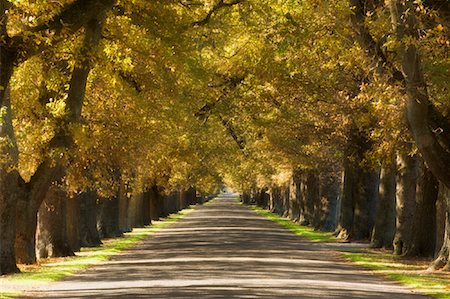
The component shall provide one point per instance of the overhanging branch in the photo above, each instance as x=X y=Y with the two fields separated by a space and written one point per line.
x=219 y=5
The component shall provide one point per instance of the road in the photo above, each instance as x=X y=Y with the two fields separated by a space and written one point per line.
x=225 y=250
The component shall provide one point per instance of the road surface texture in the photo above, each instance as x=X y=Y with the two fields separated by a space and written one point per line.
x=225 y=250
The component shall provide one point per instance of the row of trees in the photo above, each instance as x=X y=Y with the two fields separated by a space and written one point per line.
x=350 y=133
x=104 y=96
x=97 y=132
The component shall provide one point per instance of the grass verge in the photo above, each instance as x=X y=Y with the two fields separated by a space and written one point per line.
x=412 y=273
x=57 y=268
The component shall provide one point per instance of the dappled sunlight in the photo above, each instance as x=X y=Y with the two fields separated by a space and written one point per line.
x=202 y=256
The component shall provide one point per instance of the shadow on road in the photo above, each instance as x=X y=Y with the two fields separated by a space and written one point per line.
x=225 y=250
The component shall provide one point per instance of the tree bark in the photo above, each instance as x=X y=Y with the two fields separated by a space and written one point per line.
x=108 y=218
x=295 y=196
x=262 y=198
x=155 y=203
x=419 y=107
x=441 y=207
x=246 y=198
x=124 y=206
x=347 y=202
x=51 y=237
x=330 y=184
x=9 y=177
x=146 y=204
x=443 y=258
x=313 y=205
x=365 y=202
x=424 y=228
x=407 y=176
x=87 y=224
x=73 y=213
x=277 y=200
x=136 y=209
x=384 y=229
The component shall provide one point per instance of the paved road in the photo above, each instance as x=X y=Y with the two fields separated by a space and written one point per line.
x=225 y=250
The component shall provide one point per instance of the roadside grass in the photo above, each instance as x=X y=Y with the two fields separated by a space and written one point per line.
x=57 y=268
x=411 y=273
x=304 y=231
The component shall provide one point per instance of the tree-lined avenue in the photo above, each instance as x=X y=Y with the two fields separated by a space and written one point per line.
x=225 y=250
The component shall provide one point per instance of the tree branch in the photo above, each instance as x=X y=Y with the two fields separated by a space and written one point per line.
x=219 y=5
x=69 y=20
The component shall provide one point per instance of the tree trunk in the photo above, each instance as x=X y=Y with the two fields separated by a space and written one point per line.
x=7 y=223
x=346 y=205
x=191 y=196
x=87 y=224
x=365 y=201
x=384 y=230
x=441 y=207
x=313 y=204
x=138 y=210
x=294 y=196
x=146 y=213
x=155 y=203
x=330 y=184
x=245 y=198
x=424 y=229
x=73 y=214
x=51 y=237
x=443 y=258
x=9 y=178
x=108 y=218
x=263 y=199
x=408 y=168
x=285 y=200
x=276 y=199
x=124 y=206
x=419 y=107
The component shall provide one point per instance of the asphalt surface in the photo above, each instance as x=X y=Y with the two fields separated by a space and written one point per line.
x=225 y=250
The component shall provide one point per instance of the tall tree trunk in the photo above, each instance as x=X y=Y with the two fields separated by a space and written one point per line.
x=124 y=206
x=330 y=185
x=73 y=214
x=424 y=228
x=52 y=239
x=146 y=204
x=138 y=210
x=408 y=172
x=155 y=203
x=9 y=177
x=419 y=107
x=443 y=258
x=285 y=200
x=441 y=207
x=294 y=196
x=108 y=218
x=246 y=198
x=365 y=202
x=345 y=223
x=263 y=199
x=313 y=202
x=384 y=230
x=191 y=196
x=51 y=169
x=87 y=224
x=276 y=198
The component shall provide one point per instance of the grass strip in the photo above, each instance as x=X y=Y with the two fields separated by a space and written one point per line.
x=57 y=268
x=304 y=231
x=411 y=273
